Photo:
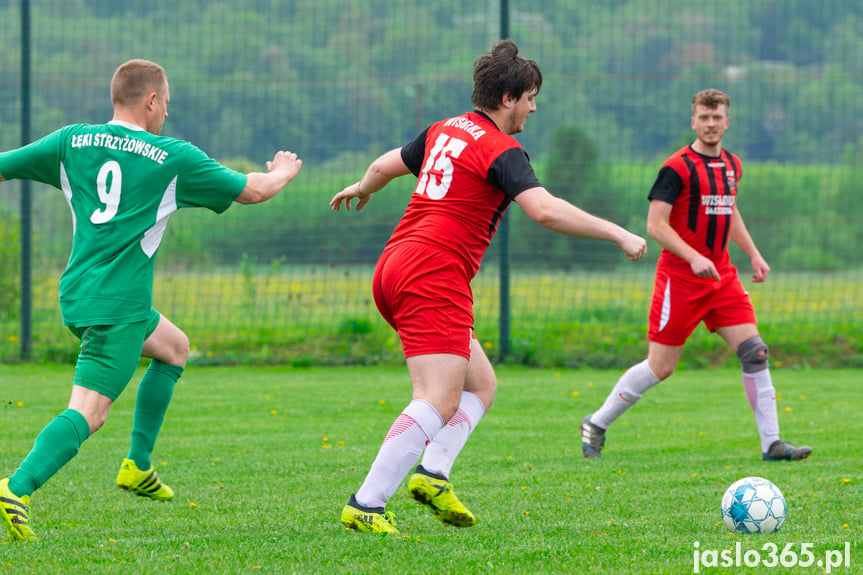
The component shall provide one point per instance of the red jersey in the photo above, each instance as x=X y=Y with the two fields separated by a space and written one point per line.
x=468 y=173
x=702 y=191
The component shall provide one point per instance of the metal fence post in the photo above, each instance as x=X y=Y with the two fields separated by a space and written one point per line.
x=26 y=200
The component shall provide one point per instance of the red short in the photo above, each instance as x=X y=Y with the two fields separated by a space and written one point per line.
x=681 y=300
x=424 y=293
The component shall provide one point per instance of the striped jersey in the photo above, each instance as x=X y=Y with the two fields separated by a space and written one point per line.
x=702 y=191
x=121 y=183
x=468 y=172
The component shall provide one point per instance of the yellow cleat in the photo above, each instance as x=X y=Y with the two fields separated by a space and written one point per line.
x=367 y=519
x=16 y=513
x=143 y=483
x=437 y=493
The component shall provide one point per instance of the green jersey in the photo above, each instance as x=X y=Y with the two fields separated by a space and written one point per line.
x=122 y=184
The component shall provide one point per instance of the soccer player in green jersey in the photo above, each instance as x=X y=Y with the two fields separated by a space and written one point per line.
x=122 y=181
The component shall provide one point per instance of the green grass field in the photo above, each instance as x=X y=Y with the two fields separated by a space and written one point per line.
x=263 y=459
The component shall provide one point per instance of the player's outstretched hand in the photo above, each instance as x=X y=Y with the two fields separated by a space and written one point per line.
x=635 y=247
x=286 y=162
x=346 y=195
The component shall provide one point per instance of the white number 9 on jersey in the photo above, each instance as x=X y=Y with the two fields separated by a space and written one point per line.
x=439 y=165
x=109 y=197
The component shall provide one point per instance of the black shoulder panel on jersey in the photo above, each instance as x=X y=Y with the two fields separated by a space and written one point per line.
x=414 y=152
x=667 y=187
x=512 y=173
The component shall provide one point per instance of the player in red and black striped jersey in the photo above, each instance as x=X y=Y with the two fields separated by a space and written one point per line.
x=469 y=169
x=693 y=214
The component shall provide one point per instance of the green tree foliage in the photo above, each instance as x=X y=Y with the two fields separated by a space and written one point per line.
x=10 y=264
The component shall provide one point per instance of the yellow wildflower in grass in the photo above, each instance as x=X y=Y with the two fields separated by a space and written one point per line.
x=273 y=412
x=326 y=439
x=574 y=394
x=20 y=404
x=787 y=410
x=192 y=504
x=846 y=480
x=382 y=402
x=341 y=443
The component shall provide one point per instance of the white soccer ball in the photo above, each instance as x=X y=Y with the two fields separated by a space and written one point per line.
x=753 y=505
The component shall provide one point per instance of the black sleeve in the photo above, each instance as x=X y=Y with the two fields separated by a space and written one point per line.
x=413 y=153
x=512 y=173
x=667 y=187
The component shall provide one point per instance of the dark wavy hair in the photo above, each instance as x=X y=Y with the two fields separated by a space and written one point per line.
x=503 y=71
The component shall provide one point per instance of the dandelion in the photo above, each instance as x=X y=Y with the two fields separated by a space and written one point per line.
x=192 y=504
x=20 y=404
x=574 y=394
x=787 y=410
x=112 y=540
x=845 y=525
x=802 y=398
x=341 y=443
x=164 y=463
x=846 y=480
x=273 y=412
x=488 y=345
x=382 y=402
x=326 y=439
x=326 y=446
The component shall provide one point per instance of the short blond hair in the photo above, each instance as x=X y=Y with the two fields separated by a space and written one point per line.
x=135 y=79
x=710 y=99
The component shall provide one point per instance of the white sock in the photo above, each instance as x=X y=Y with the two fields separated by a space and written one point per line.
x=762 y=398
x=449 y=441
x=629 y=389
x=400 y=451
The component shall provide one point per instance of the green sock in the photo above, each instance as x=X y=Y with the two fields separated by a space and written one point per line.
x=55 y=446
x=154 y=395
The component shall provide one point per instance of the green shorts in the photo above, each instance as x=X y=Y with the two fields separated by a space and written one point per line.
x=110 y=354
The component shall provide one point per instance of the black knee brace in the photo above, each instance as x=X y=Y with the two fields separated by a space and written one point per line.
x=753 y=355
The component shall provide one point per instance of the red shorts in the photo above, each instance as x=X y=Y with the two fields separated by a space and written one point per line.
x=424 y=293
x=681 y=300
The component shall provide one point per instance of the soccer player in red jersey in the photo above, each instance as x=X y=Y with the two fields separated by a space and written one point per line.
x=469 y=170
x=693 y=213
